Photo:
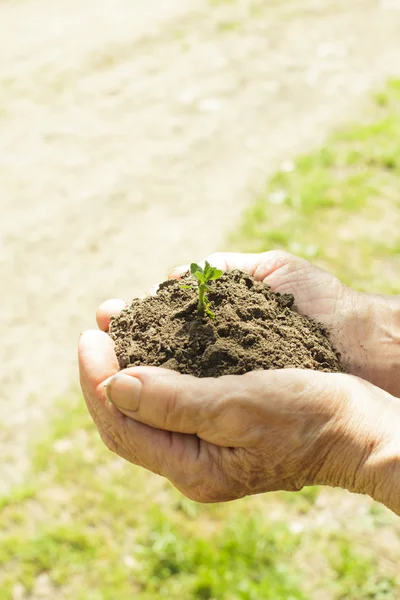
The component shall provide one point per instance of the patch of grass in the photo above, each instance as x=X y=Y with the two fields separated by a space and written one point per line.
x=99 y=528
x=355 y=575
x=340 y=204
x=249 y=557
x=18 y=496
x=59 y=550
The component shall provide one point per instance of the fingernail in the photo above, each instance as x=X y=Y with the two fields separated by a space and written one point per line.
x=124 y=392
x=107 y=381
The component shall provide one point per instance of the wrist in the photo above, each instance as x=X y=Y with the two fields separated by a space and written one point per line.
x=363 y=451
x=382 y=471
x=374 y=332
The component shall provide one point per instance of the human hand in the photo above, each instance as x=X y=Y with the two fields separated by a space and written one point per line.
x=221 y=439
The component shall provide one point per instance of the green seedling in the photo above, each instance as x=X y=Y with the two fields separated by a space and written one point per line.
x=204 y=276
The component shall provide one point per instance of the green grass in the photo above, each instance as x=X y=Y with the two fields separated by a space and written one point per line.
x=95 y=528
x=339 y=205
x=99 y=528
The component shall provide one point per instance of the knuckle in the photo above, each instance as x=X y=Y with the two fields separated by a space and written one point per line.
x=171 y=405
x=279 y=257
x=175 y=408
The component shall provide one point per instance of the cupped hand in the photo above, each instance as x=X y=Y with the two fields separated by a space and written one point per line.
x=348 y=315
x=222 y=439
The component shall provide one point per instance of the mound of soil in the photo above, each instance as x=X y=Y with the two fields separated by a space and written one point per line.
x=254 y=329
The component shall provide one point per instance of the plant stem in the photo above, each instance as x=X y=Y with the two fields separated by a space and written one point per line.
x=201 y=305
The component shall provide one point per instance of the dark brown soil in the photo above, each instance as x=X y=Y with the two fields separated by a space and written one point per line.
x=254 y=328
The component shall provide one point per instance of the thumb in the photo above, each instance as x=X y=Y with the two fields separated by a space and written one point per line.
x=216 y=410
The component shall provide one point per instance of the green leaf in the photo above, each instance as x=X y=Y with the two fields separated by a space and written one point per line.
x=216 y=274
x=194 y=268
x=211 y=272
x=187 y=287
x=200 y=277
x=207 y=266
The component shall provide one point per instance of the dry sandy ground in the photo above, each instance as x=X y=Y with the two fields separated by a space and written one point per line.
x=132 y=135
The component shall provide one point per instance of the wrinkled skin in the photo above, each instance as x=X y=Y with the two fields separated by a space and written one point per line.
x=222 y=439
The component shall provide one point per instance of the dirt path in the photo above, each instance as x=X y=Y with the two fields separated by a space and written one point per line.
x=132 y=134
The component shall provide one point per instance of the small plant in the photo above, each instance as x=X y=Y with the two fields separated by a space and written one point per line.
x=204 y=276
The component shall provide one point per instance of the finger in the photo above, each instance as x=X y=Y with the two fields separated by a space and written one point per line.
x=230 y=411
x=192 y=465
x=173 y=455
x=225 y=261
x=179 y=272
x=261 y=266
x=179 y=457
x=216 y=410
x=108 y=309
x=97 y=360
x=112 y=308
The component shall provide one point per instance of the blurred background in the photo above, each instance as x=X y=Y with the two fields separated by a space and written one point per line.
x=135 y=136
